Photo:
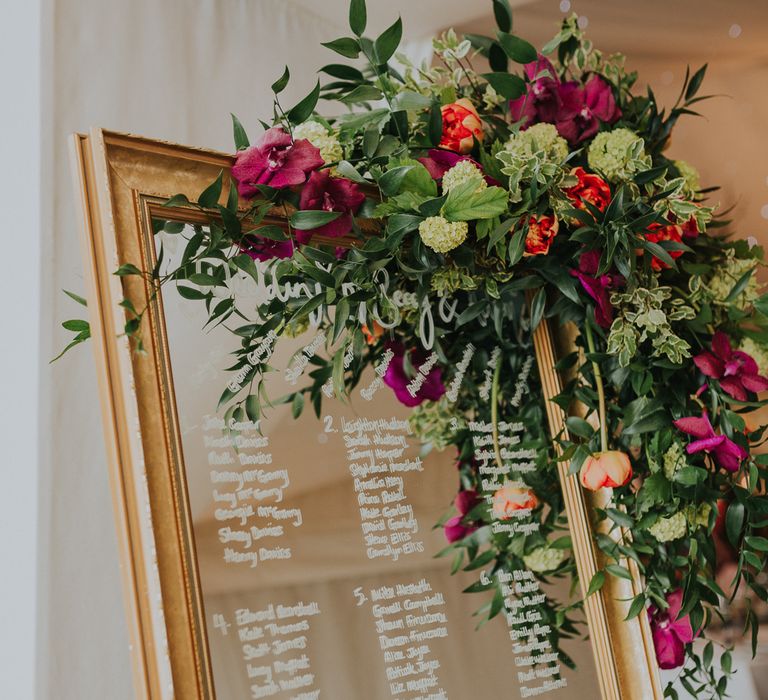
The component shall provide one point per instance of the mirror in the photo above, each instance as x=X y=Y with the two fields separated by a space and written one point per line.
x=316 y=541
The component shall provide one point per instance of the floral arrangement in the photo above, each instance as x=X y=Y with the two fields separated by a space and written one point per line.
x=539 y=188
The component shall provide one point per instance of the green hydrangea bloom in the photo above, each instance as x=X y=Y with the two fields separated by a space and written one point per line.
x=442 y=235
x=431 y=422
x=674 y=460
x=544 y=559
x=322 y=139
x=539 y=138
x=672 y=528
x=618 y=154
x=727 y=275
x=463 y=171
x=698 y=516
x=690 y=175
x=534 y=154
x=447 y=280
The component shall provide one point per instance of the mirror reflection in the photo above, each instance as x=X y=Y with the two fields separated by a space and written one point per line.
x=316 y=540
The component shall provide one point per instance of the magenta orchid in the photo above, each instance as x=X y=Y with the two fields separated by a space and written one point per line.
x=598 y=287
x=260 y=248
x=330 y=194
x=728 y=454
x=438 y=162
x=584 y=108
x=275 y=160
x=670 y=631
x=397 y=379
x=454 y=529
x=542 y=102
x=736 y=371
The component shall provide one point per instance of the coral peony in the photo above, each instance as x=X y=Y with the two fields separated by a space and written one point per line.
x=605 y=469
x=541 y=232
x=274 y=160
x=589 y=188
x=461 y=126
x=510 y=499
x=663 y=232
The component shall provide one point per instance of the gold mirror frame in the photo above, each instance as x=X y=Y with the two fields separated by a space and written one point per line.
x=121 y=183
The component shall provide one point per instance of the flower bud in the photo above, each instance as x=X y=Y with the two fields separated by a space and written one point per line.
x=602 y=469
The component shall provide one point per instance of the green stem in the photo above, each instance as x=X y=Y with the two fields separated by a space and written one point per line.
x=600 y=389
x=495 y=412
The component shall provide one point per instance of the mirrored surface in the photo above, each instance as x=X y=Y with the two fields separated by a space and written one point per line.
x=316 y=543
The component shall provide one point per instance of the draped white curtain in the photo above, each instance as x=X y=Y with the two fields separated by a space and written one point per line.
x=172 y=70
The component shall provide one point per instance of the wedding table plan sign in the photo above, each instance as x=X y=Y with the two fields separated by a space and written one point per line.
x=450 y=394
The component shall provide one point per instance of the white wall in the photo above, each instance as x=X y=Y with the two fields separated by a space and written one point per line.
x=19 y=356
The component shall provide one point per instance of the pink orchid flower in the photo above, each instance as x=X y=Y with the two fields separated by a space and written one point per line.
x=598 y=287
x=542 y=102
x=584 y=108
x=736 y=371
x=330 y=194
x=275 y=160
x=454 y=529
x=670 y=631
x=725 y=451
x=398 y=380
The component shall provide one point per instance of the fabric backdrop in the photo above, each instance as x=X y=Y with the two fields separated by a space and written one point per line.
x=172 y=70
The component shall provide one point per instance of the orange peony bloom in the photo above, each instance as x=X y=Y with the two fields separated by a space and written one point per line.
x=590 y=188
x=605 y=469
x=509 y=499
x=461 y=125
x=541 y=232
x=373 y=333
x=660 y=232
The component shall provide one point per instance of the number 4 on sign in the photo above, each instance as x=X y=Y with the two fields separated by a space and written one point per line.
x=220 y=623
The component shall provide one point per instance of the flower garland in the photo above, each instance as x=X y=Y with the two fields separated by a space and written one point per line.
x=548 y=181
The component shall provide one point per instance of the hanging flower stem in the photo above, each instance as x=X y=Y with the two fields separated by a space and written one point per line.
x=600 y=389
x=495 y=412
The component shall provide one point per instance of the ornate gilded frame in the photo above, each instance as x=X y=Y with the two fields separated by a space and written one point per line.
x=121 y=181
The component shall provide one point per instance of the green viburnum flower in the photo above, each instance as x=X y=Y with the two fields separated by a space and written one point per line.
x=534 y=154
x=690 y=176
x=544 y=559
x=727 y=274
x=697 y=516
x=431 y=422
x=672 y=528
x=647 y=314
x=295 y=328
x=757 y=351
x=447 y=280
x=322 y=139
x=618 y=154
x=442 y=235
x=463 y=171
x=674 y=460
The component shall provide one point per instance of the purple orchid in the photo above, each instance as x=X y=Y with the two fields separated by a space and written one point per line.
x=670 y=631
x=726 y=453
x=454 y=529
x=330 y=194
x=583 y=108
x=542 y=102
x=396 y=378
x=597 y=286
x=262 y=249
x=275 y=160
x=736 y=371
x=438 y=162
